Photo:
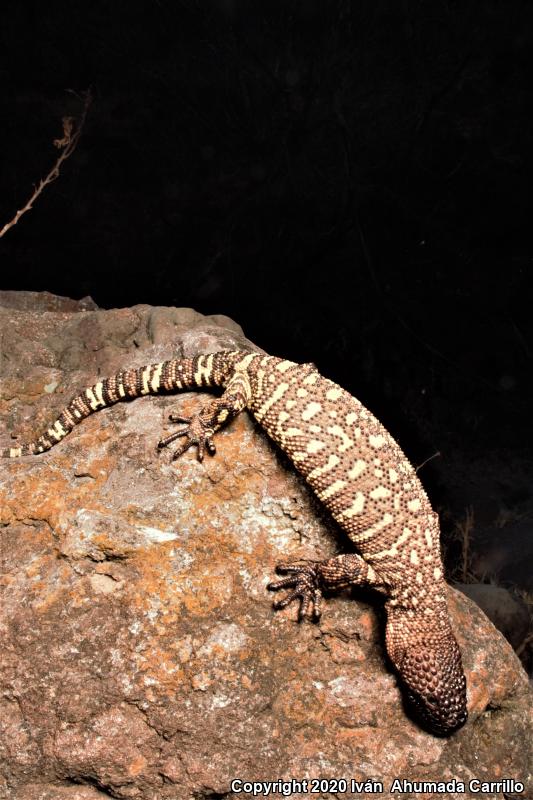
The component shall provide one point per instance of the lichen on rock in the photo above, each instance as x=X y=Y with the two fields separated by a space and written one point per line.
x=140 y=656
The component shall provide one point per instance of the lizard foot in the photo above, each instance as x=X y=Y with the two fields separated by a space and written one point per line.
x=304 y=580
x=196 y=433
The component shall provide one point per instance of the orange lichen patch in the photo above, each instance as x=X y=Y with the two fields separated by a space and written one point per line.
x=207 y=676
x=367 y=625
x=246 y=682
x=301 y=707
x=50 y=584
x=160 y=670
x=360 y=734
x=201 y=591
x=344 y=652
x=137 y=766
x=25 y=389
x=49 y=493
x=109 y=546
x=157 y=668
x=479 y=694
x=202 y=585
x=47 y=597
x=33 y=569
x=201 y=681
x=280 y=485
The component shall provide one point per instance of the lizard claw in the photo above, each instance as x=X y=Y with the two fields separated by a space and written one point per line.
x=304 y=580
x=177 y=418
x=197 y=433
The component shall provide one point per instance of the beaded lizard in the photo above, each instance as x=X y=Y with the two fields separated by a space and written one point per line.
x=358 y=472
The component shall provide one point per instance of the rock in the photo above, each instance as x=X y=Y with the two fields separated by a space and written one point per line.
x=506 y=612
x=140 y=656
x=44 y=301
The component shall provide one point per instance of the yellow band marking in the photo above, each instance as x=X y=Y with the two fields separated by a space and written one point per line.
x=294 y=432
x=244 y=363
x=276 y=395
x=334 y=393
x=155 y=383
x=283 y=366
x=222 y=416
x=333 y=460
x=310 y=410
x=314 y=446
x=205 y=369
x=380 y=492
x=393 y=551
x=356 y=507
x=60 y=429
x=375 y=528
x=93 y=402
x=333 y=489
x=145 y=389
x=98 y=393
x=336 y=430
x=357 y=469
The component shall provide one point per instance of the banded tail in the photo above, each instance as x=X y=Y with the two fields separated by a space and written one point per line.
x=167 y=376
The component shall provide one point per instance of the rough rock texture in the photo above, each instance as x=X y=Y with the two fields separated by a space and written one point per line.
x=507 y=612
x=139 y=654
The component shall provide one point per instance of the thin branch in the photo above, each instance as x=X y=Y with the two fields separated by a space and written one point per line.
x=430 y=458
x=71 y=134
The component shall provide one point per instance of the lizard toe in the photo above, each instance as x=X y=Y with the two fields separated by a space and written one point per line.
x=304 y=581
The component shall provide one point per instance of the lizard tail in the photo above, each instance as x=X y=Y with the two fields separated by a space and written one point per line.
x=167 y=376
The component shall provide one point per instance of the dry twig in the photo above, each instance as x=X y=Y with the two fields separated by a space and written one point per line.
x=437 y=454
x=71 y=133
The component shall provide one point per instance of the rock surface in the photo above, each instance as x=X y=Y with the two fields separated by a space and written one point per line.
x=504 y=610
x=139 y=653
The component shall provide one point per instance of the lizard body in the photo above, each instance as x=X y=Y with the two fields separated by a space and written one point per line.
x=358 y=472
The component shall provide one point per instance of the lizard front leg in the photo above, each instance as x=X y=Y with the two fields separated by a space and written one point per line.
x=308 y=580
x=202 y=426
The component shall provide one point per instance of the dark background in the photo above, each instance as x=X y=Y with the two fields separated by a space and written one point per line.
x=347 y=180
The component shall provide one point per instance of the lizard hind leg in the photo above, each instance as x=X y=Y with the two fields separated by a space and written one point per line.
x=201 y=427
x=197 y=433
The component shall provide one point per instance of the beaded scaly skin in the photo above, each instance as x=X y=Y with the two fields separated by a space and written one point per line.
x=359 y=473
